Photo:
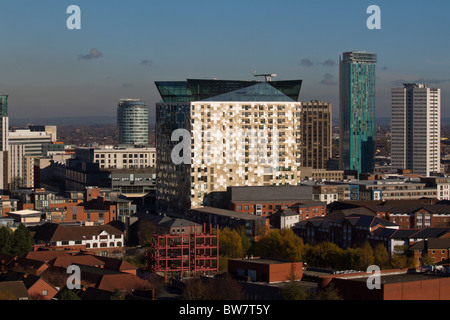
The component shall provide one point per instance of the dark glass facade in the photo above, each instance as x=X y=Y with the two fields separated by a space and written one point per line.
x=199 y=89
x=357 y=112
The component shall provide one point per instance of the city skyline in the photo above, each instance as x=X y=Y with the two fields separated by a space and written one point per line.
x=123 y=48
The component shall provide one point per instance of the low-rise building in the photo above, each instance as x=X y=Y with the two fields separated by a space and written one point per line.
x=260 y=269
x=398 y=284
x=102 y=240
x=254 y=226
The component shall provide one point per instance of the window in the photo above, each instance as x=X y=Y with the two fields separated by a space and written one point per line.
x=44 y=292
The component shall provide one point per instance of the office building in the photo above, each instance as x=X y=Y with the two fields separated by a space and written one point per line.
x=416 y=130
x=240 y=133
x=357 y=111
x=132 y=122
x=24 y=146
x=316 y=134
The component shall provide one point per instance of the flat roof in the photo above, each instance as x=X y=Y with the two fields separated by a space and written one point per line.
x=228 y=213
x=397 y=278
x=263 y=260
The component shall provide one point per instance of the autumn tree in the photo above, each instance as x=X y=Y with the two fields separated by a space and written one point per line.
x=324 y=255
x=280 y=244
x=230 y=243
x=381 y=256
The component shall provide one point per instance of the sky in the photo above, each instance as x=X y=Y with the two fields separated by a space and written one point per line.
x=123 y=47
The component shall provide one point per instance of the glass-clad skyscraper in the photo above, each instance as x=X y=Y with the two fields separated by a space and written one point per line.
x=357 y=111
x=132 y=122
x=238 y=133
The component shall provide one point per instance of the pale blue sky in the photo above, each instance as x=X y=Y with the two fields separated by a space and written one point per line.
x=138 y=42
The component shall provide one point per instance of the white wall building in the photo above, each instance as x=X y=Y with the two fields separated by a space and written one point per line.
x=415 y=127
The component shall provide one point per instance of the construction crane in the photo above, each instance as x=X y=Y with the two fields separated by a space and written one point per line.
x=267 y=76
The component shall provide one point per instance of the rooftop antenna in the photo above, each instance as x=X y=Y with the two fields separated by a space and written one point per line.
x=267 y=76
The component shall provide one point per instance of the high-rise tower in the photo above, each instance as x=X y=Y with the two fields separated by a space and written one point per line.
x=4 y=122
x=415 y=128
x=132 y=122
x=357 y=111
x=238 y=133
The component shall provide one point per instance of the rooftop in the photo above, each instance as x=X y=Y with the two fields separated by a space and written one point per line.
x=228 y=90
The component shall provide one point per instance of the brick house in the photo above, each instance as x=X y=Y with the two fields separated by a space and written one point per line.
x=437 y=249
x=36 y=286
x=102 y=240
x=260 y=269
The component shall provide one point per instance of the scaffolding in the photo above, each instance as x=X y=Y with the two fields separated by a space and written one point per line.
x=184 y=255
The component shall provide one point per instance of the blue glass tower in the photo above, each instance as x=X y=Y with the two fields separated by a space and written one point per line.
x=357 y=111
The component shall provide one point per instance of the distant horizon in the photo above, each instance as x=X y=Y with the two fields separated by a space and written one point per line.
x=122 y=48
x=104 y=120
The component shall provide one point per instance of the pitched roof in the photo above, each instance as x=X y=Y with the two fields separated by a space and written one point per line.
x=123 y=281
x=433 y=243
x=17 y=288
x=45 y=255
x=28 y=279
x=51 y=232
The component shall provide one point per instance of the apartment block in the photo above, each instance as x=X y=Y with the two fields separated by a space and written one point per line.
x=316 y=134
x=237 y=133
x=416 y=128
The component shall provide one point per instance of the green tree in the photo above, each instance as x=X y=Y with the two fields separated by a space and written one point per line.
x=117 y=295
x=69 y=295
x=6 y=240
x=22 y=241
x=329 y=293
x=402 y=261
x=230 y=243
x=365 y=258
x=324 y=255
x=246 y=242
x=427 y=260
x=292 y=290
x=145 y=233
x=280 y=244
x=381 y=256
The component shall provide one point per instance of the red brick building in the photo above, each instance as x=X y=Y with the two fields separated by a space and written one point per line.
x=265 y=270
x=436 y=249
x=399 y=284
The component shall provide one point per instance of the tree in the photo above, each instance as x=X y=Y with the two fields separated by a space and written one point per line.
x=324 y=255
x=145 y=234
x=246 y=242
x=69 y=295
x=22 y=241
x=280 y=244
x=292 y=290
x=230 y=243
x=381 y=256
x=6 y=240
x=117 y=295
x=365 y=258
x=329 y=293
x=427 y=260
x=207 y=289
